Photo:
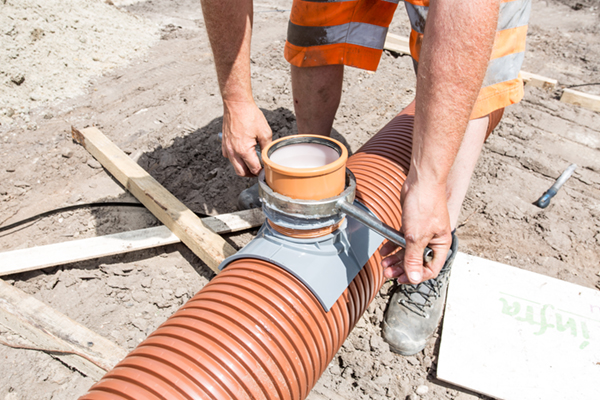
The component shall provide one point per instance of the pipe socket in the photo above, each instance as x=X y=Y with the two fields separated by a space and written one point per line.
x=305 y=167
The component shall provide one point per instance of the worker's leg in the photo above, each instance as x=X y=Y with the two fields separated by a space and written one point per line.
x=415 y=310
x=464 y=165
x=317 y=92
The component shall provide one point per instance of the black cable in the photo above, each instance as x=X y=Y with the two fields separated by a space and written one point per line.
x=583 y=84
x=76 y=207
x=69 y=208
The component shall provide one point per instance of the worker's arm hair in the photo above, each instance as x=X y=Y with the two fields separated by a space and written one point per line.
x=457 y=44
x=229 y=27
x=454 y=55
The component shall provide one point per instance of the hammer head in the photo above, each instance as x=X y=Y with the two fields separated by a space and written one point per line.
x=543 y=201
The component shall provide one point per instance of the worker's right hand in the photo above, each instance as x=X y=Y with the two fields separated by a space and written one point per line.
x=425 y=222
x=244 y=125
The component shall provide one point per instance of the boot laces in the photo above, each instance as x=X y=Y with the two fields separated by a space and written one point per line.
x=428 y=291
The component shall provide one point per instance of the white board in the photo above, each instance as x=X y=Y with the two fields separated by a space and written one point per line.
x=514 y=334
x=32 y=258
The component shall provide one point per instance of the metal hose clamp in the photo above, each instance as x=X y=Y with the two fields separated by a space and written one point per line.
x=311 y=214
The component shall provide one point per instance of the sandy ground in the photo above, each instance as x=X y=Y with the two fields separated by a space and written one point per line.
x=160 y=103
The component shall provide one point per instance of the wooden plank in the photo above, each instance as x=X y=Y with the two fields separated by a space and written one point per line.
x=516 y=335
x=33 y=258
x=538 y=80
x=588 y=101
x=397 y=44
x=237 y=221
x=203 y=241
x=46 y=328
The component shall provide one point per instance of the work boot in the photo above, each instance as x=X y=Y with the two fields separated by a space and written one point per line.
x=249 y=198
x=414 y=311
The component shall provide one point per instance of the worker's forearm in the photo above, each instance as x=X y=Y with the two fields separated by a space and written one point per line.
x=229 y=27
x=454 y=56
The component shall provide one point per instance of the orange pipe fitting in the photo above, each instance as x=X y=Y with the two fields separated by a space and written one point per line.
x=313 y=183
x=305 y=233
x=255 y=331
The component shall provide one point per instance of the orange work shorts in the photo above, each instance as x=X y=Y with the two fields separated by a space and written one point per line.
x=352 y=32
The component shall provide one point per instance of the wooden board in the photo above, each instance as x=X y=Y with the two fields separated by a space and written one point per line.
x=589 y=101
x=515 y=334
x=46 y=328
x=397 y=44
x=538 y=80
x=203 y=241
x=33 y=258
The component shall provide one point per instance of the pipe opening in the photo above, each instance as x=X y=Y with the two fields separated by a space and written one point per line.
x=305 y=167
x=304 y=152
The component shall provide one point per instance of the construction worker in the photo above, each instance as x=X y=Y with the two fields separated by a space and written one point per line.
x=467 y=55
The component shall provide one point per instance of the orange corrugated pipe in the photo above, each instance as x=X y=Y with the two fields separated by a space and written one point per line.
x=255 y=331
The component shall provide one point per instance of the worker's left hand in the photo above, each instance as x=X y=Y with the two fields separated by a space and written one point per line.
x=244 y=126
x=425 y=222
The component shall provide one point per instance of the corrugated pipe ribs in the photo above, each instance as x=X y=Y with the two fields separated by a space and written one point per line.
x=269 y=324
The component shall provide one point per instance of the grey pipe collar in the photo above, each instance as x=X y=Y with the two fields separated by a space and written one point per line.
x=325 y=265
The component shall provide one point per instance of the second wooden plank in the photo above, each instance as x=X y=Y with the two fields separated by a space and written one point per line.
x=588 y=101
x=48 y=329
x=203 y=241
x=397 y=44
x=34 y=258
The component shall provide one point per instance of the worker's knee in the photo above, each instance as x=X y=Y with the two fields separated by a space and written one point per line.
x=493 y=119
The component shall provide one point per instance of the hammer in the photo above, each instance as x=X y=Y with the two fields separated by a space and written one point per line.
x=543 y=201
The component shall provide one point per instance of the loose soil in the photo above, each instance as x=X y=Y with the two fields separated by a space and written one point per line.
x=158 y=100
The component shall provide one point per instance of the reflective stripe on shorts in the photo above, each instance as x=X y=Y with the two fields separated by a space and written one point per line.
x=501 y=86
x=361 y=34
x=352 y=32
x=348 y=32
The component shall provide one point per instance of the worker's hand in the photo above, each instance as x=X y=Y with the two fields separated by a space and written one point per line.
x=425 y=222
x=244 y=125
